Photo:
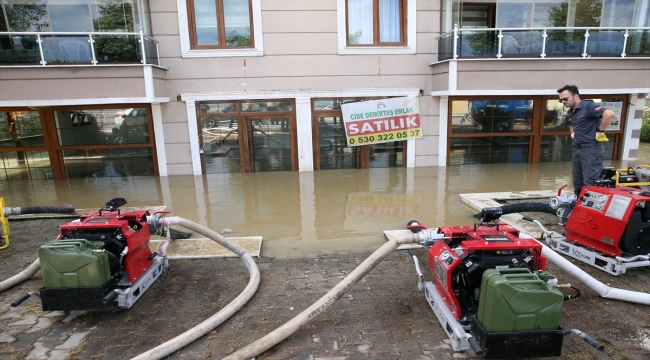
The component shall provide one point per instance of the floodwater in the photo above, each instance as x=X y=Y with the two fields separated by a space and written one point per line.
x=310 y=213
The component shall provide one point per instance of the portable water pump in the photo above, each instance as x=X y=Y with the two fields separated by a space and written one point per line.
x=101 y=257
x=490 y=290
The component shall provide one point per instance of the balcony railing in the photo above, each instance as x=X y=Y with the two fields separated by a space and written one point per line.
x=71 y=48
x=565 y=42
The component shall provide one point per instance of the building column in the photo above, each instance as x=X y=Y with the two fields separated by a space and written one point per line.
x=304 y=133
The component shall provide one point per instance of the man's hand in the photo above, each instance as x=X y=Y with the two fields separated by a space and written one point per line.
x=601 y=137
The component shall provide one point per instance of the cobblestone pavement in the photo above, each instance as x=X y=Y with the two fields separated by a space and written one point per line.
x=382 y=317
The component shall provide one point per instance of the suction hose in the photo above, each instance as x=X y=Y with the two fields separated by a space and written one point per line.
x=597 y=286
x=485 y=214
x=284 y=331
x=20 y=277
x=63 y=209
x=215 y=320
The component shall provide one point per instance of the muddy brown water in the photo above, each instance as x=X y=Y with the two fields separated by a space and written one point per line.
x=310 y=213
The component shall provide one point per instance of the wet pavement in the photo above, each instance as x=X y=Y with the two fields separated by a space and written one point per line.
x=317 y=228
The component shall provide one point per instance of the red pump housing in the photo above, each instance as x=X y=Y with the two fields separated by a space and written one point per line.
x=104 y=225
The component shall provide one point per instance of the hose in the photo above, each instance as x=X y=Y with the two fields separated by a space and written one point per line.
x=22 y=276
x=215 y=320
x=284 y=331
x=595 y=344
x=518 y=208
x=63 y=209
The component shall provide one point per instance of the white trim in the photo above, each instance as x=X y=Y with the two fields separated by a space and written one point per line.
x=250 y=95
x=184 y=32
x=410 y=153
x=303 y=134
x=149 y=92
x=92 y=101
x=442 y=131
x=536 y=92
x=628 y=142
x=159 y=134
x=195 y=152
x=410 y=48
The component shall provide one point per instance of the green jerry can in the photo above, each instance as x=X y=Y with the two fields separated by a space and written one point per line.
x=513 y=300
x=73 y=264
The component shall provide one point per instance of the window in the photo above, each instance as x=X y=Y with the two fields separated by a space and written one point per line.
x=213 y=28
x=376 y=26
x=220 y=23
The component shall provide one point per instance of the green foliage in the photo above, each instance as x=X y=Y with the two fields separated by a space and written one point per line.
x=587 y=14
x=480 y=42
x=26 y=16
x=115 y=16
x=645 y=127
x=233 y=39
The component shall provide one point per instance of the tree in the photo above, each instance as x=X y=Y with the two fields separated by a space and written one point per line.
x=587 y=14
x=233 y=39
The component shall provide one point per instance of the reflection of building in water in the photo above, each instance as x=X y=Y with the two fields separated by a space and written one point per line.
x=379 y=208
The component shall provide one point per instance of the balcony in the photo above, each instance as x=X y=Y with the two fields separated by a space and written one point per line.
x=77 y=48
x=544 y=43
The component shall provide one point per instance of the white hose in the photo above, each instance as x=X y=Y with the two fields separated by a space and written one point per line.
x=597 y=286
x=21 y=276
x=284 y=331
x=215 y=320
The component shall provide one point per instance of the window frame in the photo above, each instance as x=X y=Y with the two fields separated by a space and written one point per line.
x=407 y=46
x=190 y=50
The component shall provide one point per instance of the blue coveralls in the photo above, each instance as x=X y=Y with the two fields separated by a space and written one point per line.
x=587 y=152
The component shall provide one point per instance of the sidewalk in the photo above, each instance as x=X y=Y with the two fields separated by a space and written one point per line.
x=382 y=317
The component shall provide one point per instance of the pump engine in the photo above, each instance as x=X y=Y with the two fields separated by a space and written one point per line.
x=101 y=257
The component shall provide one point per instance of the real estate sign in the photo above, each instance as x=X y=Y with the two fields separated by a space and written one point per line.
x=380 y=121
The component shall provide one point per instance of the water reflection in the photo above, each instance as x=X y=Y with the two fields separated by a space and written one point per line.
x=311 y=213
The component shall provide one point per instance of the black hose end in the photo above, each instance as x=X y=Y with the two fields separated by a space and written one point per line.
x=526 y=218
x=595 y=344
x=475 y=346
x=109 y=298
x=20 y=301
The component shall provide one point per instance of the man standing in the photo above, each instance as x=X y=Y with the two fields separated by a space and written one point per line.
x=588 y=122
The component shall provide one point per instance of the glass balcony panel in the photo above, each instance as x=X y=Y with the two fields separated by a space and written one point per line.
x=565 y=42
x=59 y=49
x=638 y=43
x=445 y=47
x=116 y=48
x=522 y=42
x=605 y=42
x=478 y=44
x=151 y=51
x=19 y=49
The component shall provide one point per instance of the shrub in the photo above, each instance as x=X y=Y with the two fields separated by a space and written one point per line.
x=645 y=127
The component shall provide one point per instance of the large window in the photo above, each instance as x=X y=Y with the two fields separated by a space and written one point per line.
x=220 y=24
x=515 y=130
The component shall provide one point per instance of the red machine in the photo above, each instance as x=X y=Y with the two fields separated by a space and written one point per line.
x=459 y=262
x=611 y=220
x=101 y=257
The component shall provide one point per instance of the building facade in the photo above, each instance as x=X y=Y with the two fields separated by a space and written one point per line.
x=94 y=88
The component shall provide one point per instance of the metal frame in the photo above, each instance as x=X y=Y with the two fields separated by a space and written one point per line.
x=127 y=297
x=614 y=266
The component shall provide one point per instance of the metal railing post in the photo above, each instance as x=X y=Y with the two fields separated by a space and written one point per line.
x=625 y=36
x=455 y=52
x=40 y=49
x=142 y=48
x=500 y=36
x=584 y=51
x=92 y=48
x=544 y=36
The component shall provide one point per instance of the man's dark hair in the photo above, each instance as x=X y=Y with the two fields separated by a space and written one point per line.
x=572 y=89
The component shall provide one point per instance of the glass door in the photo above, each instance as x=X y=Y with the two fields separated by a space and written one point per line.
x=268 y=143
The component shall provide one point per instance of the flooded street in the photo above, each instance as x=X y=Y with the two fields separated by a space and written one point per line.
x=310 y=213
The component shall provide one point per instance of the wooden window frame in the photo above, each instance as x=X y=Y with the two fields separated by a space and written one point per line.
x=375 y=10
x=221 y=28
